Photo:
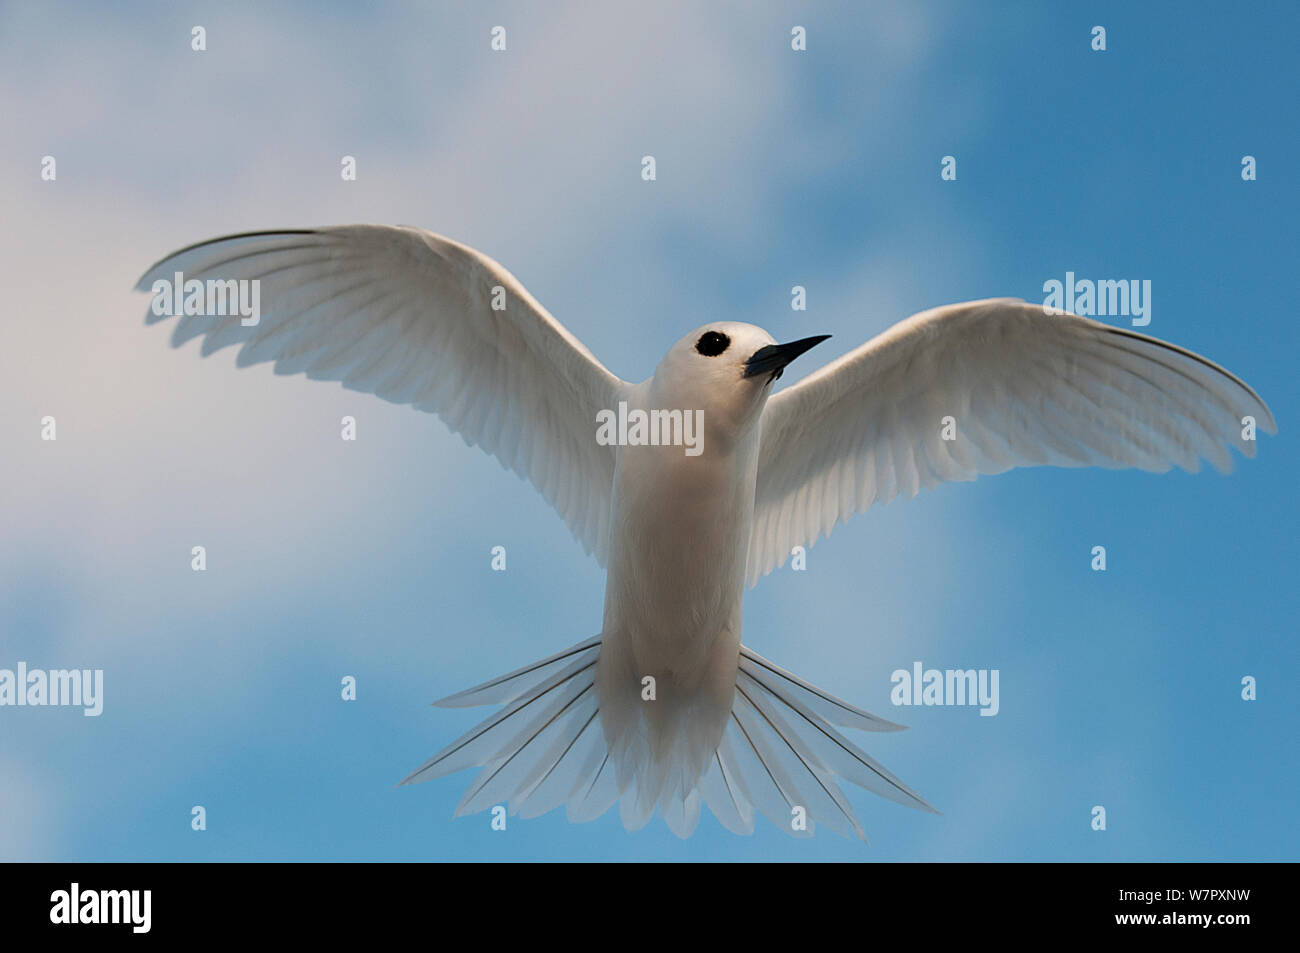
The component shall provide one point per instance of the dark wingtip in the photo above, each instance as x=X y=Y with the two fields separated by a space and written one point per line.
x=140 y=285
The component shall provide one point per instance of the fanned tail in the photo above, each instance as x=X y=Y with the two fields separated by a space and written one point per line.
x=543 y=749
x=780 y=751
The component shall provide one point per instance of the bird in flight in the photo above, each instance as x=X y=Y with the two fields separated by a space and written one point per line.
x=664 y=707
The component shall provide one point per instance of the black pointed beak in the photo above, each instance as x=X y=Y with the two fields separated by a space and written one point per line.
x=773 y=358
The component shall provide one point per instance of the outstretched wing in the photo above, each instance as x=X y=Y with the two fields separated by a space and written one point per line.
x=408 y=316
x=1023 y=387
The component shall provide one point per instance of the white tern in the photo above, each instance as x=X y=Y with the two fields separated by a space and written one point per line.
x=665 y=707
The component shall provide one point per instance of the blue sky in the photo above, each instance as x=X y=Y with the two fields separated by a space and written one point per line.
x=775 y=168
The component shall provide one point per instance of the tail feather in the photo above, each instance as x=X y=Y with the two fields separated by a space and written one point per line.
x=815 y=790
x=832 y=709
x=721 y=792
x=637 y=803
x=779 y=751
x=682 y=813
x=519 y=766
x=596 y=793
x=761 y=781
x=832 y=751
x=506 y=688
x=568 y=772
x=503 y=731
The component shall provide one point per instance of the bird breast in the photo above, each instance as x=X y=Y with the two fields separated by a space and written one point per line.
x=680 y=533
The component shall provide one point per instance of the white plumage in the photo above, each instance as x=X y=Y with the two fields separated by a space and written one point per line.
x=1025 y=388
x=406 y=315
x=409 y=316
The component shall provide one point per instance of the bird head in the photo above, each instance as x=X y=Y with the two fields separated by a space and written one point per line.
x=726 y=369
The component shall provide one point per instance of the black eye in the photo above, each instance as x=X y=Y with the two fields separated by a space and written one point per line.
x=712 y=343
